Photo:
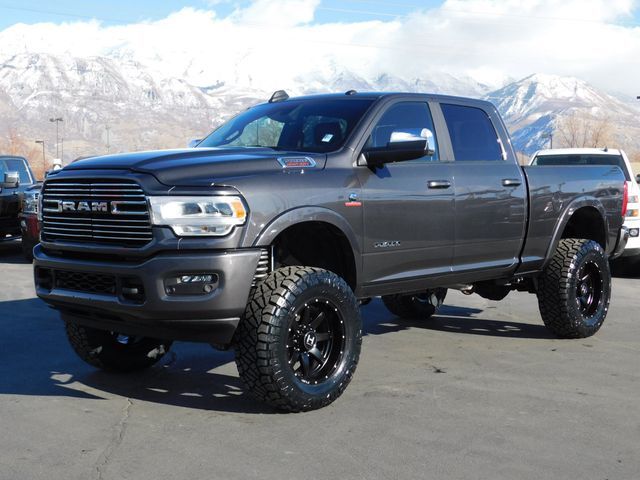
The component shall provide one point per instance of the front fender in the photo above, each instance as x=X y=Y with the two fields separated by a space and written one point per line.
x=307 y=214
x=311 y=214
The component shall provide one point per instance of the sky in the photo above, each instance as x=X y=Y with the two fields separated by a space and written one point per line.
x=205 y=41
x=120 y=12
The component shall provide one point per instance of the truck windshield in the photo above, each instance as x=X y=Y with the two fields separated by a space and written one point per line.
x=315 y=126
x=583 y=159
x=16 y=165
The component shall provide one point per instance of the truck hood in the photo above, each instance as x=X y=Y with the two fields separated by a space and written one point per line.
x=196 y=166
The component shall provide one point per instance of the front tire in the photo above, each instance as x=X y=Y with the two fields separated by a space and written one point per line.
x=419 y=305
x=575 y=289
x=298 y=343
x=114 y=352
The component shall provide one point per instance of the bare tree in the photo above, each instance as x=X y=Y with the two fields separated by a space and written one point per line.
x=580 y=130
x=523 y=158
x=14 y=144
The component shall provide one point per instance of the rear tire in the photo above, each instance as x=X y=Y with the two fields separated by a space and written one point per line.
x=114 y=352
x=422 y=305
x=298 y=343
x=575 y=289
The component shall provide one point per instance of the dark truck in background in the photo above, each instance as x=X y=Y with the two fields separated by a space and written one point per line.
x=268 y=235
x=15 y=178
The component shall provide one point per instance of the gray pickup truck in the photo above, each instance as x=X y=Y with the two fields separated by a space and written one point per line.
x=269 y=234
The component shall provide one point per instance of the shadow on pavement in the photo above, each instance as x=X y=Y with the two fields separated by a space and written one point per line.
x=451 y=319
x=35 y=359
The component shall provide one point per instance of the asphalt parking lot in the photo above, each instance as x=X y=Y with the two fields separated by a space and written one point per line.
x=480 y=392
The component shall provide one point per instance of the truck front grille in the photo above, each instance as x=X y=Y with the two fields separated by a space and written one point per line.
x=88 y=211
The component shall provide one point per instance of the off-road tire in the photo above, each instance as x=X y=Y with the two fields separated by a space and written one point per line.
x=105 y=350
x=265 y=341
x=415 y=306
x=562 y=292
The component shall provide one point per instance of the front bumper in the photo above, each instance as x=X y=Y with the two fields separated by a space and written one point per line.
x=98 y=294
x=9 y=225
x=633 y=244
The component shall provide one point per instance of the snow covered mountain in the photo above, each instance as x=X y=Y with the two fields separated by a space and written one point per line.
x=536 y=106
x=114 y=104
x=97 y=94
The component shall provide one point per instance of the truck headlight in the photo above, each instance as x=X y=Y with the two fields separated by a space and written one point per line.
x=198 y=216
x=30 y=202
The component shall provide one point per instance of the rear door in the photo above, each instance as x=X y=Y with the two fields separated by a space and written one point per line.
x=490 y=191
x=409 y=205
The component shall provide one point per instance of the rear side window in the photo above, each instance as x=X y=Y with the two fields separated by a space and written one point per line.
x=583 y=159
x=472 y=134
x=15 y=165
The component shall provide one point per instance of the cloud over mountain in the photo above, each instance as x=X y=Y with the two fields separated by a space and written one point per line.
x=271 y=42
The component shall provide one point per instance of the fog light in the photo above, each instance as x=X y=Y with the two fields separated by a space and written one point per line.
x=634 y=232
x=191 y=284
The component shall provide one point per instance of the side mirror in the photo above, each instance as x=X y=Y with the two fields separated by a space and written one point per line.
x=638 y=178
x=192 y=143
x=402 y=146
x=11 y=180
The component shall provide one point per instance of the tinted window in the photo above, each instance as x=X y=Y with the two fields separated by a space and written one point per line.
x=408 y=120
x=300 y=125
x=472 y=134
x=15 y=165
x=587 y=159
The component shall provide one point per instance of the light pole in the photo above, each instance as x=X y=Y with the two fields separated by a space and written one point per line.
x=550 y=137
x=57 y=121
x=44 y=162
x=108 y=145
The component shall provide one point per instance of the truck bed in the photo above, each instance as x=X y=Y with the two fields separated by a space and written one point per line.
x=555 y=193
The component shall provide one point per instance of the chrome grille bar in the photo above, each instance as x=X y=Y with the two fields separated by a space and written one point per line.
x=120 y=216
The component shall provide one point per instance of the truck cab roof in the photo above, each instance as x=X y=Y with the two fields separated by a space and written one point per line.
x=352 y=94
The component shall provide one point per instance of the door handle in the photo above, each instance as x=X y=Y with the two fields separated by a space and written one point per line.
x=511 y=182
x=438 y=184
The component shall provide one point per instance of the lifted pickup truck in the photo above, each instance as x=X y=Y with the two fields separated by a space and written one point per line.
x=267 y=236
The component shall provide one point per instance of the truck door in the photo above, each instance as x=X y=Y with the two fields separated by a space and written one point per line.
x=408 y=205
x=490 y=191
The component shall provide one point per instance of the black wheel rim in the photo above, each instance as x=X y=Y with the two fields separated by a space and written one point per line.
x=589 y=289
x=316 y=340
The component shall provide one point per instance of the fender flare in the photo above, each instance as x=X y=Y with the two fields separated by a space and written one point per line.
x=567 y=215
x=311 y=214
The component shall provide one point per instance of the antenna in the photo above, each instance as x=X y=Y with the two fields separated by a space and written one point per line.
x=279 y=96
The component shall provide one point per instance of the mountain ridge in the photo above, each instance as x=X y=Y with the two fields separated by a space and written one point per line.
x=116 y=104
